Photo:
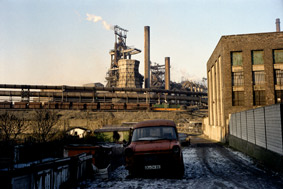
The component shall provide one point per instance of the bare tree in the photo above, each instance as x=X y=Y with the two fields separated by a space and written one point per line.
x=12 y=126
x=43 y=126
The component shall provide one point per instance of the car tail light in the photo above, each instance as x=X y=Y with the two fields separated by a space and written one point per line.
x=129 y=152
x=176 y=149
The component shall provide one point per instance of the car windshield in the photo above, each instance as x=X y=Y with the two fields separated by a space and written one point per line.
x=154 y=133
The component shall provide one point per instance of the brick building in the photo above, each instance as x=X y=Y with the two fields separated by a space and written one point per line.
x=244 y=72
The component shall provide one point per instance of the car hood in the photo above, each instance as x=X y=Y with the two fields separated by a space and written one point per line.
x=149 y=146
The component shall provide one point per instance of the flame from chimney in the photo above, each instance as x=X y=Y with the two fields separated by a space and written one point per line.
x=94 y=18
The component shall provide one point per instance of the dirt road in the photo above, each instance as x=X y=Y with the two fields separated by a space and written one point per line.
x=208 y=165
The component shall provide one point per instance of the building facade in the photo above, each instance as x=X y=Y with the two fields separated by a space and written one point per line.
x=244 y=72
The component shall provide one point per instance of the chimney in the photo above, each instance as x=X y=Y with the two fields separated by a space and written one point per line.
x=146 y=57
x=277 y=25
x=167 y=73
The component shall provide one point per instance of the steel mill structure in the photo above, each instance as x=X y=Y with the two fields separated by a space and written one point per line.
x=123 y=90
x=124 y=71
x=157 y=76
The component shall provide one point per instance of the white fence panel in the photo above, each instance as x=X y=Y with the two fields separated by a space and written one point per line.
x=260 y=127
x=251 y=126
x=231 y=125
x=274 y=128
x=234 y=125
x=244 y=125
x=238 y=123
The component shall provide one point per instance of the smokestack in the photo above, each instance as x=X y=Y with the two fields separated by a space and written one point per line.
x=277 y=25
x=146 y=57
x=167 y=73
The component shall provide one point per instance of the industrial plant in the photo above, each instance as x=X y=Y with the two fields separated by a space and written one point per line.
x=124 y=89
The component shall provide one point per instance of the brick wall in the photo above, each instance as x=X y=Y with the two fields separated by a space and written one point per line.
x=245 y=43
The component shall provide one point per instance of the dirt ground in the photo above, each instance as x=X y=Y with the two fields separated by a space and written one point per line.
x=208 y=165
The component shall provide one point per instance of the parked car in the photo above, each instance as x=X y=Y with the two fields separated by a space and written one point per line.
x=184 y=139
x=154 y=148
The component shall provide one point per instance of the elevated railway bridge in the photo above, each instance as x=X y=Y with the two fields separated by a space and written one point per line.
x=95 y=98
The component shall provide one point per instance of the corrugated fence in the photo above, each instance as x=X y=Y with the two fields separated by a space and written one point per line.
x=260 y=126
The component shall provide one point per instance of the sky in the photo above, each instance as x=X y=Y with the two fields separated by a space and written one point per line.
x=67 y=42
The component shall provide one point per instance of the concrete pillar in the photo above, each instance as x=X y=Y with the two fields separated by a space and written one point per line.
x=269 y=77
x=277 y=25
x=210 y=101
x=167 y=73
x=146 y=57
x=222 y=121
x=214 y=102
x=221 y=112
x=217 y=94
x=248 y=79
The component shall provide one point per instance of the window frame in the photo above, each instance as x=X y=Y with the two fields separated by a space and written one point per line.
x=257 y=77
x=253 y=57
x=261 y=100
x=233 y=60
x=274 y=56
x=238 y=78
x=276 y=96
x=276 y=79
x=236 y=98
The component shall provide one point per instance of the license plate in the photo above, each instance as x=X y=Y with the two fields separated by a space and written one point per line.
x=152 y=167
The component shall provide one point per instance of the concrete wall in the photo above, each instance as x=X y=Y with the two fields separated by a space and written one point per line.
x=95 y=120
x=267 y=157
x=215 y=127
x=261 y=127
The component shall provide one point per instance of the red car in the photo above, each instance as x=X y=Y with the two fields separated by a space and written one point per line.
x=154 y=148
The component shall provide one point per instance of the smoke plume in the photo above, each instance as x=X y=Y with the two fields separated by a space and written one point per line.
x=94 y=18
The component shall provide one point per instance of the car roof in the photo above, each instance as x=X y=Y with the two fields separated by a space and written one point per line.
x=156 y=122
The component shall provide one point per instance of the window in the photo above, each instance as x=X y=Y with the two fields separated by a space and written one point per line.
x=154 y=133
x=257 y=57
x=279 y=96
x=259 y=98
x=236 y=58
x=237 y=78
x=278 y=56
x=278 y=77
x=238 y=98
x=258 y=77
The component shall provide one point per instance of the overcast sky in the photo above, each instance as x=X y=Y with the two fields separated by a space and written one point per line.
x=67 y=42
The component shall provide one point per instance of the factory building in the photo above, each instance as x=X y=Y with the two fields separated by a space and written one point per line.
x=244 y=72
